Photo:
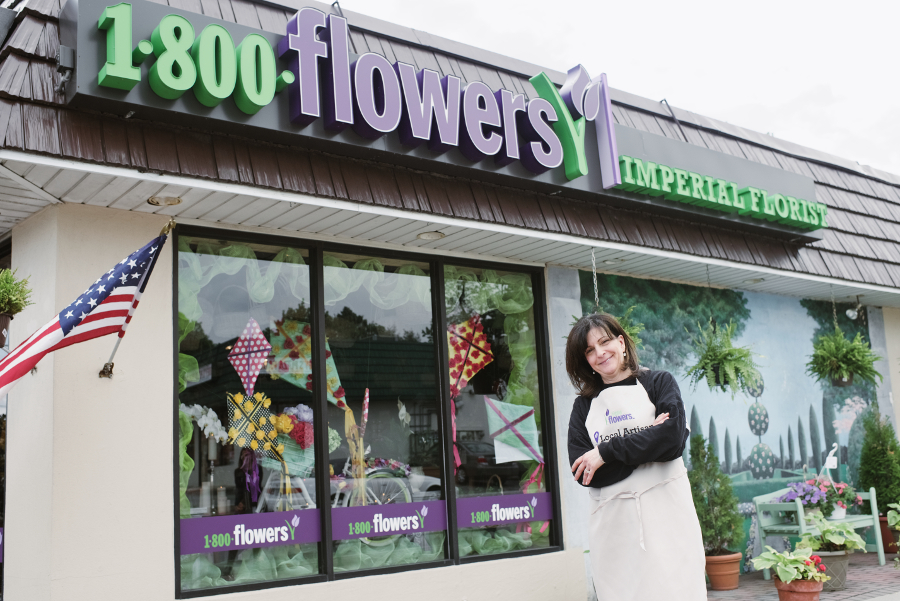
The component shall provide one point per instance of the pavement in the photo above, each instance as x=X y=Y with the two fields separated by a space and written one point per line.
x=866 y=581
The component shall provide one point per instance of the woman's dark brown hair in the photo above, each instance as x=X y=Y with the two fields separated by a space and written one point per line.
x=583 y=378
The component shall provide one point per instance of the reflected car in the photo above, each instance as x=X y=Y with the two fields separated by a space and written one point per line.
x=479 y=464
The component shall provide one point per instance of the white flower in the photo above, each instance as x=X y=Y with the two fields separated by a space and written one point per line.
x=296 y=521
x=405 y=417
x=534 y=501
x=424 y=510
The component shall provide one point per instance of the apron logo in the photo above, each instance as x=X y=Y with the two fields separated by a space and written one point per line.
x=617 y=417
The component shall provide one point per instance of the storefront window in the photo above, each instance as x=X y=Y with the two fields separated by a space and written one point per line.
x=248 y=409
x=502 y=502
x=384 y=409
x=247 y=482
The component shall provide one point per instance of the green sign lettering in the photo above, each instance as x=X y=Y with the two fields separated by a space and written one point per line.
x=644 y=177
x=118 y=72
x=213 y=54
x=174 y=72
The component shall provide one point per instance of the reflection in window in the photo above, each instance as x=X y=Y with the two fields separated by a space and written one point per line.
x=384 y=403
x=495 y=402
x=245 y=449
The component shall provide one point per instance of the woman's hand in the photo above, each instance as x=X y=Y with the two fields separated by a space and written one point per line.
x=588 y=463
x=660 y=419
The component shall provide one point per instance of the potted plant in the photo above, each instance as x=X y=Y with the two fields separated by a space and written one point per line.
x=833 y=544
x=893 y=522
x=721 y=524
x=719 y=362
x=799 y=576
x=839 y=360
x=829 y=498
x=15 y=295
x=879 y=466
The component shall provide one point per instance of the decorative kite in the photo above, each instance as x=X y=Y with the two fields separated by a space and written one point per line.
x=292 y=360
x=470 y=352
x=249 y=355
x=513 y=426
x=252 y=426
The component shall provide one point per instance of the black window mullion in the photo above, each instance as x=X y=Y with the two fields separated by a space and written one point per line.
x=320 y=416
x=548 y=420
x=176 y=427
x=445 y=423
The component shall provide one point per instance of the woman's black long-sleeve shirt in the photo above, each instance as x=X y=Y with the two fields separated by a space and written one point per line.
x=622 y=454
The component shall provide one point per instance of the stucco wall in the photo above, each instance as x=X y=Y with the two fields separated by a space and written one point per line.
x=892 y=343
x=90 y=507
x=564 y=292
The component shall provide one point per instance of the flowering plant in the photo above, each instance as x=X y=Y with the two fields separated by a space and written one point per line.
x=296 y=422
x=832 y=536
x=208 y=421
x=799 y=565
x=391 y=464
x=821 y=494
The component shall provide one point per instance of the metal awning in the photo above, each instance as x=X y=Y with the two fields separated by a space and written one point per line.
x=28 y=183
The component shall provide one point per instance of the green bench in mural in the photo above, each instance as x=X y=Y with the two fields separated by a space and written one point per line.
x=786 y=519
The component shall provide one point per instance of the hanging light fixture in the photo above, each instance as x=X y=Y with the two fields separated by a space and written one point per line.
x=164 y=201
x=853 y=312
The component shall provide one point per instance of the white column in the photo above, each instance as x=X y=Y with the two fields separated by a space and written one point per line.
x=90 y=500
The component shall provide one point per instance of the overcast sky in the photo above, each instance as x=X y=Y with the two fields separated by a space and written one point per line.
x=821 y=74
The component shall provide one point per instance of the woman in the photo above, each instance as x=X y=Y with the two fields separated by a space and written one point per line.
x=626 y=435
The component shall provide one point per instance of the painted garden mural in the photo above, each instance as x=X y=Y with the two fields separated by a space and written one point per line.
x=776 y=431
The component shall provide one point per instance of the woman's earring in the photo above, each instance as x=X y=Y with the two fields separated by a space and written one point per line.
x=624 y=354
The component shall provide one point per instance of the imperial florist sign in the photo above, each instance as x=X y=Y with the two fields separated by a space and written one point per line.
x=305 y=86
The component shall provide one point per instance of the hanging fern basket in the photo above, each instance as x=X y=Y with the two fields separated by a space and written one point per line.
x=837 y=359
x=721 y=364
x=842 y=382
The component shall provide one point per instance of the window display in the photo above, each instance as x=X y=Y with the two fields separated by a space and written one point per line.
x=379 y=326
x=248 y=408
x=502 y=503
x=247 y=486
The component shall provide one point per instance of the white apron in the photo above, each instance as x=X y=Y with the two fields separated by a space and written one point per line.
x=644 y=535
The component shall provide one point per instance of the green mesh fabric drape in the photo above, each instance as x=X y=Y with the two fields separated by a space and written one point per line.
x=196 y=270
x=276 y=563
x=354 y=555
x=484 y=542
x=198 y=572
x=185 y=461
x=511 y=295
x=188 y=368
x=386 y=290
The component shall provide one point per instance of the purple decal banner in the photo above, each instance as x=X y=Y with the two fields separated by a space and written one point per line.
x=503 y=509
x=249 y=531
x=382 y=520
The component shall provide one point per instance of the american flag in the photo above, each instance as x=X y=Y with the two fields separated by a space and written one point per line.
x=106 y=307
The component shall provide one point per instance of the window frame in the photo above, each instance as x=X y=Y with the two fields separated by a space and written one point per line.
x=316 y=249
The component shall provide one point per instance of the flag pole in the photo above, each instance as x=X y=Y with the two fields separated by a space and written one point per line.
x=107 y=371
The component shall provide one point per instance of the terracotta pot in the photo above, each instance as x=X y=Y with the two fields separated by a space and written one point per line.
x=5 y=318
x=888 y=542
x=836 y=563
x=798 y=590
x=723 y=571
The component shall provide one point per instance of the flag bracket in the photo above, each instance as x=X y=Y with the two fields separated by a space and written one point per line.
x=107 y=371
